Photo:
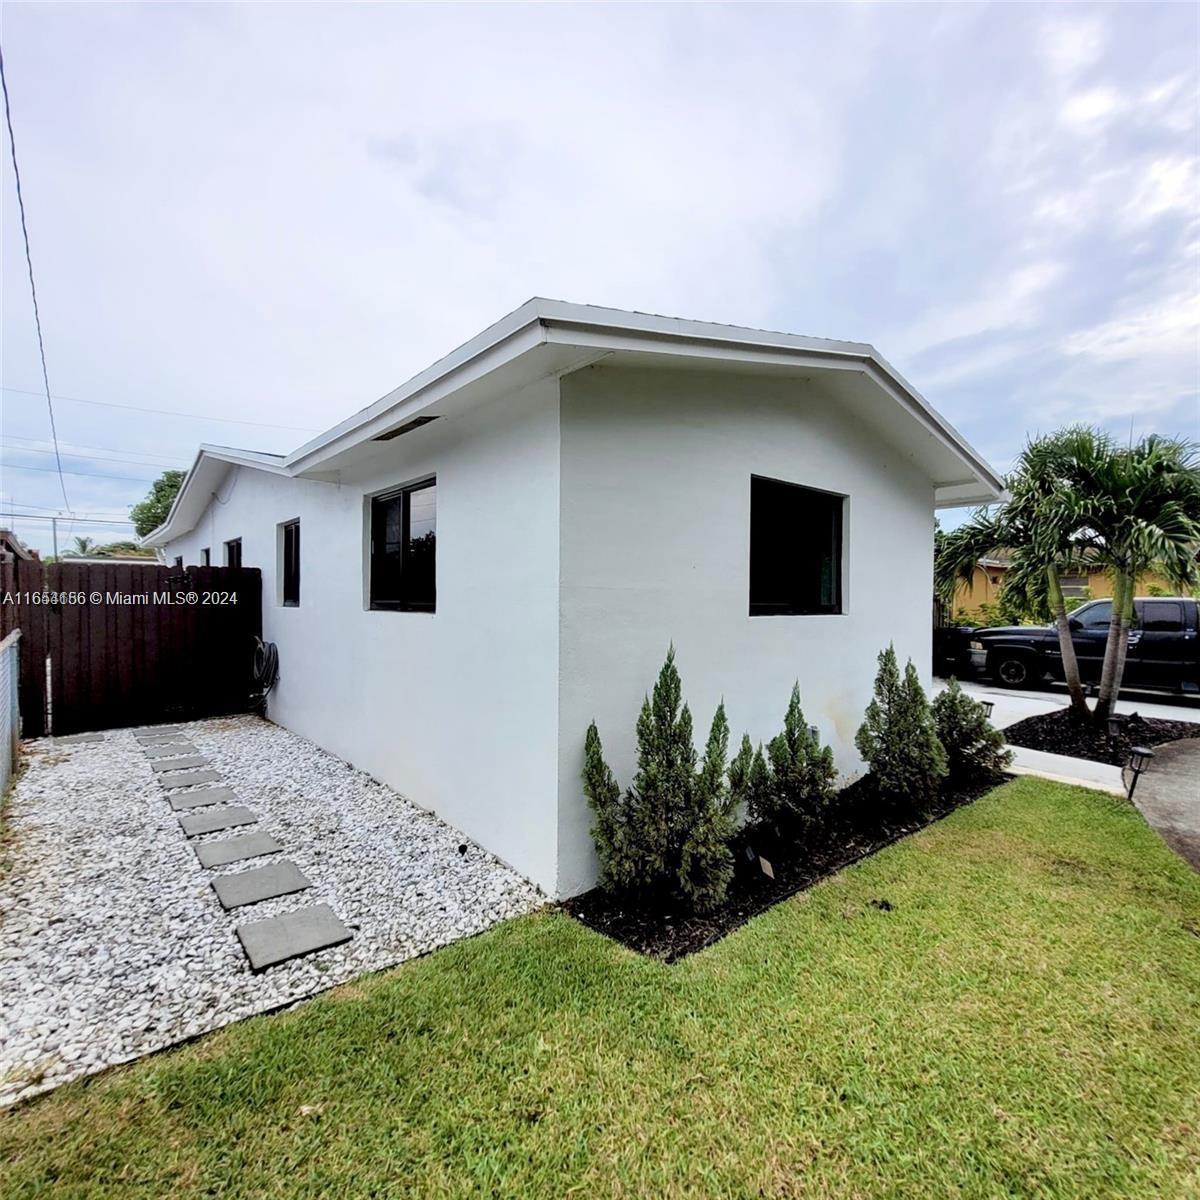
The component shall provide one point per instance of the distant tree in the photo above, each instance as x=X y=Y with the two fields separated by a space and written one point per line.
x=150 y=513
x=83 y=545
x=123 y=549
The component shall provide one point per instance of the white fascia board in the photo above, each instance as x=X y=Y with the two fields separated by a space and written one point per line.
x=594 y=332
x=512 y=335
x=731 y=344
x=202 y=470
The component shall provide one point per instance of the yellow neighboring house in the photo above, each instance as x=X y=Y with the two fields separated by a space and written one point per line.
x=1091 y=584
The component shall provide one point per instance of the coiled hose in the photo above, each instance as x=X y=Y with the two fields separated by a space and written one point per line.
x=264 y=673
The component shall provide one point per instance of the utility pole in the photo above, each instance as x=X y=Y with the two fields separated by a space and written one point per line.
x=54 y=535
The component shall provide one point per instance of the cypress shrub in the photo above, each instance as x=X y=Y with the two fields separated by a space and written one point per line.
x=801 y=779
x=898 y=739
x=974 y=748
x=668 y=837
x=749 y=777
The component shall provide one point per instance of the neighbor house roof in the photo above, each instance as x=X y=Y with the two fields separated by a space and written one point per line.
x=12 y=548
x=551 y=337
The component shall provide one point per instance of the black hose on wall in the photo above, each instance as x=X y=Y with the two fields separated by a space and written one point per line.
x=264 y=673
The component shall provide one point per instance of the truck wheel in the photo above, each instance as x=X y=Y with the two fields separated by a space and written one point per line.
x=1013 y=670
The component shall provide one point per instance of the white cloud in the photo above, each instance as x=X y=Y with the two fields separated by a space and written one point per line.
x=1012 y=301
x=1166 y=185
x=1069 y=45
x=1084 y=110
x=1167 y=328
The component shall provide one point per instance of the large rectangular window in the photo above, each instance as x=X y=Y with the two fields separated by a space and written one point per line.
x=795 y=549
x=233 y=552
x=289 y=567
x=403 y=548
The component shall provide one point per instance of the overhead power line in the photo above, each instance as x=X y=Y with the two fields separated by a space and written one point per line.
x=85 y=446
x=37 y=316
x=14 y=517
x=166 y=412
x=137 y=462
x=87 y=474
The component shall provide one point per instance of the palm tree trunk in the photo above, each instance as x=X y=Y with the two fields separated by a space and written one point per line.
x=1114 y=648
x=1066 y=647
x=1126 y=625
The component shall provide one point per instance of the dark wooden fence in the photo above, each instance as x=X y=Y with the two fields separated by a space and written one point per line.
x=105 y=646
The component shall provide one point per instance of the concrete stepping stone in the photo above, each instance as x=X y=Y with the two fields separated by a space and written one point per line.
x=189 y=779
x=74 y=739
x=161 y=739
x=260 y=883
x=169 y=750
x=181 y=801
x=235 y=849
x=184 y=763
x=149 y=731
x=212 y=820
x=304 y=931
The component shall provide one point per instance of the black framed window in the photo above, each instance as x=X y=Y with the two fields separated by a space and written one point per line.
x=179 y=563
x=206 y=557
x=404 y=549
x=290 y=534
x=233 y=552
x=795 y=549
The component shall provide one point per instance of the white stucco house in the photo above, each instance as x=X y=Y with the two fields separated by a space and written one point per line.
x=462 y=575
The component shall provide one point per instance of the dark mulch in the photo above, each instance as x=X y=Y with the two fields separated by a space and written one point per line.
x=1063 y=733
x=861 y=828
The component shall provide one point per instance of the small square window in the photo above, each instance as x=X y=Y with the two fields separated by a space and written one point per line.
x=206 y=557
x=404 y=549
x=795 y=549
x=289 y=536
x=233 y=552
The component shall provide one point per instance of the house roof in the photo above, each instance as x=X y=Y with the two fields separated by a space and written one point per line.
x=11 y=545
x=552 y=337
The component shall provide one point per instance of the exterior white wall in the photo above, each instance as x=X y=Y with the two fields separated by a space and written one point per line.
x=581 y=528
x=456 y=709
x=654 y=546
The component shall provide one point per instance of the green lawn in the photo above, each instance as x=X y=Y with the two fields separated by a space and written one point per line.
x=1024 y=1022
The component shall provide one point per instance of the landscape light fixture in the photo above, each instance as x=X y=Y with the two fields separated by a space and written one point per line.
x=987 y=706
x=1115 y=726
x=1139 y=761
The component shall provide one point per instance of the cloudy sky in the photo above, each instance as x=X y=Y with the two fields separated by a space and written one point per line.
x=264 y=217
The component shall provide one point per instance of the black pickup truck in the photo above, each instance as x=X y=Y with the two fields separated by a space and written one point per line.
x=1164 y=646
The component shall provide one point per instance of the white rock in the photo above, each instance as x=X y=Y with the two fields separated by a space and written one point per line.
x=112 y=942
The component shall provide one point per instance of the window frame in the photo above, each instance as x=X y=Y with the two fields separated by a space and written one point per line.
x=206 y=557
x=284 y=575
x=374 y=504
x=837 y=608
x=229 y=545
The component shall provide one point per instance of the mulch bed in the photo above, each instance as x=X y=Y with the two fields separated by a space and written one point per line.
x=1063 y=733
x=861 y=828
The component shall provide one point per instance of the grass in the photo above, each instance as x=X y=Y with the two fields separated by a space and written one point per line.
x=1023 y=1022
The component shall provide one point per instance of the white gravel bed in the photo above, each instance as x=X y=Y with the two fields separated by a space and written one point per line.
x=112 y=941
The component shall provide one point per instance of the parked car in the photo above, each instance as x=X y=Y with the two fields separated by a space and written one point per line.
x=1164 y=646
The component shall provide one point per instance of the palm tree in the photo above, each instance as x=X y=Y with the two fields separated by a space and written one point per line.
x=1134 y=508
x=83 y=545
x=1029 y=526
x=1078 y=497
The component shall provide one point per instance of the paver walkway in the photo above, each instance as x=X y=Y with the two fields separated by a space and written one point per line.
x=1168 y=795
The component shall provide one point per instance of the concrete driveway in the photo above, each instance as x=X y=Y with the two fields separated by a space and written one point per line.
x=1169 y=797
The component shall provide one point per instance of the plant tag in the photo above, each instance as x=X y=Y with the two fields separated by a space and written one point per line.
x=767 y=869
